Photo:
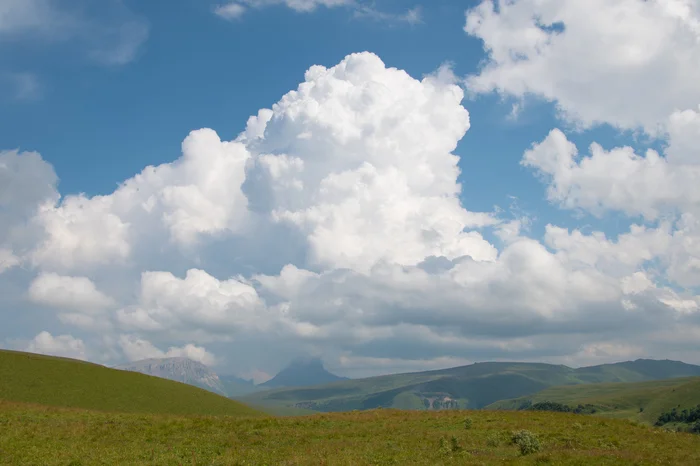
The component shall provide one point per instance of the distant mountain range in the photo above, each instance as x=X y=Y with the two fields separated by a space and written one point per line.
x=237 y=386
x=302 y=372
x=468 y=387
x=179 y=369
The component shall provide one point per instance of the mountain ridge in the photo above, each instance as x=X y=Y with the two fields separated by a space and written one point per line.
x=302 y=372
x=472 y=386
x=179 y=369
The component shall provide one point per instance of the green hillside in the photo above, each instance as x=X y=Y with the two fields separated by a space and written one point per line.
x=467 y=387
x=55 y=436
x=642 y=401
x=46 y=380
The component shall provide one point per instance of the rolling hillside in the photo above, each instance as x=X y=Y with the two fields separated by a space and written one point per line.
x=642 y=401
x=467 y=387
x=45 y=380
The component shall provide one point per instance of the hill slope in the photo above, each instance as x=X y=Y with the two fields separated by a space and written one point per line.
x=179 y=369
x=643 y=401
x=474 y=386
x=302 y=373
x=34 y=378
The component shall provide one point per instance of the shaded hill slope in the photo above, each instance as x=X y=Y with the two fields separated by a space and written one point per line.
x=46 y=380
x=643 y=401
x=467 y=387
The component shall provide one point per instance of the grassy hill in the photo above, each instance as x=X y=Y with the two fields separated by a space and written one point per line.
x=643 y=401
x=56 y=436
x=467 y=387
x=46 y=380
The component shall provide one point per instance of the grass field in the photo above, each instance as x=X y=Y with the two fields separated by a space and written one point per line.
x=643 y=401
x=35 y=435
x=56 y=411
x=46 y=380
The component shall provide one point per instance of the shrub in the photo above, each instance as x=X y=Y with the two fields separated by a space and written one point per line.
x=452 y=446
x=695 y=428
x=527 y=441
x=444 y=447
x=493 y=440
x=550 y=406
x=468 y=423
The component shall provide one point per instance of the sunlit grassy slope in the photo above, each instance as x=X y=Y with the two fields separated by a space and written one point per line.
x=643 y=401
x=473 y=387
x=33 y=378
x=31 y=435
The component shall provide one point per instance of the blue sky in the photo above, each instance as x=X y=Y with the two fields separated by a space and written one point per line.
x=98 y=125
x=100 y=92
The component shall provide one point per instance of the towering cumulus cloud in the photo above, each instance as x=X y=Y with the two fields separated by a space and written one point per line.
x=348 y=186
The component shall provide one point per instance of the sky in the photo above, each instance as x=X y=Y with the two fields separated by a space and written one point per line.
x=391 y=185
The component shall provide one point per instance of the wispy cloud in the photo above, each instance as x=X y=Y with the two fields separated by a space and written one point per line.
x=236 y=9
x=111 y=35
x=411 y=16
x=21 y=86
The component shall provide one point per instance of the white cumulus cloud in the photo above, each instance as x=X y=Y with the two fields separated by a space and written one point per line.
x=60 y=345
x=334 y=223
x=68 y=293
x=630 y=63
x=136 y=349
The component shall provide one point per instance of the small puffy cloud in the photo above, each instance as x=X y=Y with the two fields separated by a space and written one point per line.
x=615 y=257
x=60 y=345
x=198 y=301
x=135 y=349
x=576 y=54
x=619 y=179
x=664 y=189
x=230 y=11
x=68 y=293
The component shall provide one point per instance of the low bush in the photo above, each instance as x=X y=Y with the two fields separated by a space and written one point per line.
x=526 y=441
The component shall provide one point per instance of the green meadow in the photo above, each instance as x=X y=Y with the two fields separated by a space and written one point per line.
x=56 y=411
x=37 y=435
